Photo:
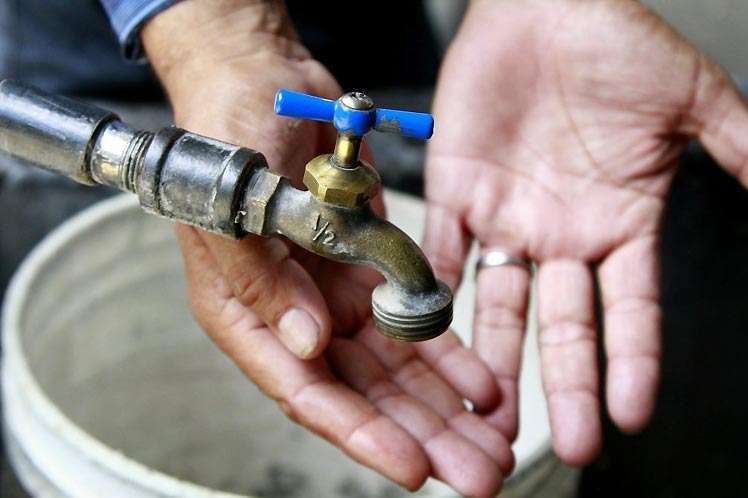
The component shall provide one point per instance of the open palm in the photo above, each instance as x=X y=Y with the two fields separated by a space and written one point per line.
x=395 y=407
x=560 y=127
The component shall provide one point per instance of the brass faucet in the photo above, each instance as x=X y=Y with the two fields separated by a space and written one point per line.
x=229 y=190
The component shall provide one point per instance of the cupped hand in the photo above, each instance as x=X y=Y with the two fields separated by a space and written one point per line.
x=298 y=325
x=560 y=124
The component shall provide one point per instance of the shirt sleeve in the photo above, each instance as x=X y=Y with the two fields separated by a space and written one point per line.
x=127 y=17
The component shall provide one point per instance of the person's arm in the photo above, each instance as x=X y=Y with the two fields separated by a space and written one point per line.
x=562 y=122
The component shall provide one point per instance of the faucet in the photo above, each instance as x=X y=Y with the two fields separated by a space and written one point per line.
x=229 y=190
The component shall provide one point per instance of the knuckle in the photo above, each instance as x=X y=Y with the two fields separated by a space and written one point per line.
x=250 y=288
x=499 y=316
x=566 y=333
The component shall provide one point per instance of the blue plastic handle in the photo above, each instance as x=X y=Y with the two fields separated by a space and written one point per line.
x=303 y=106
x=409 y=124
x=354 y=121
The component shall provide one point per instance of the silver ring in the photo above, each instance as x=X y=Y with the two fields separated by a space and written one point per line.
x=495 y=258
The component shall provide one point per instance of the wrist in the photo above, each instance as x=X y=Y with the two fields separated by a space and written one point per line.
x=193 y=38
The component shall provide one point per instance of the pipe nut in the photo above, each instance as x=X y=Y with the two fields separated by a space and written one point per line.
x=346 y=187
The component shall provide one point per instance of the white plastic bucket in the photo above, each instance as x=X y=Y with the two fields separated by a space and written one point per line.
x=110 y=389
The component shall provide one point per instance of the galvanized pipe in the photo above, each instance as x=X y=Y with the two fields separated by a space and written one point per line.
x=49 y=131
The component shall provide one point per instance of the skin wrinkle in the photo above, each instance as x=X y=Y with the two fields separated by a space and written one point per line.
x=586 y=391
x=507 y=371
x=499 y=316
x=601 y=173
x=723 y=121
x=393 y=394
x=490 y=444
x=413 y=372
x=235 y=322
x=389 y=392
x=482 y=161
x=410 y=371
x=576 y=376
x=348 y=439
x=624 y=187
x=641 y=197
x=406 y=368
x=682 y=118
x=655 y=356
x=447 y=356
x=292 y=399
x=446 y=259
x=570 y=120
x=437 y=430
x=512 y=377
x=632 y=304
x=580 y=335
x=421 y=423
x=576 y=130
x=219 y=27
x=651 y=242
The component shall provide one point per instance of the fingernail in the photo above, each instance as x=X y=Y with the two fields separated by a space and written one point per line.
x=299 y=332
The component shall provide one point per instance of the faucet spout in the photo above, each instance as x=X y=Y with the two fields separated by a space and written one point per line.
x=410 y=305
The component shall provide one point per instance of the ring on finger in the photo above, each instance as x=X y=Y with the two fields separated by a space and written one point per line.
x=496 y=258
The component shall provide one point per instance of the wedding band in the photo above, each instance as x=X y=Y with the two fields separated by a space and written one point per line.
x=493 y=259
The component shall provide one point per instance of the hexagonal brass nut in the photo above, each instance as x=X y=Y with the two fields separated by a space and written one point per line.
x=341 y=186
x=258 y=199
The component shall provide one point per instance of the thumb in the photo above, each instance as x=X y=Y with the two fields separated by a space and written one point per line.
x=719 y=117
x=263 y=278
x=445 y=243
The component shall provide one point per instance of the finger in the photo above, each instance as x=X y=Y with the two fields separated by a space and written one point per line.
x=568 y=359
x=305 y=390
x=445 y=243
x=719 y=117
x=414 y=377
x=454 y=459
x=498 y=334
x=462 y=369
x=266 y=280
x=630 y=293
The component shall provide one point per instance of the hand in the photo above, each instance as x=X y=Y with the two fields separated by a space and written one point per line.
x=273 y=307
x=560 y=128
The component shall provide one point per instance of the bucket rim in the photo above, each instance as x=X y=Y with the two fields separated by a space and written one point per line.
x=15 y=365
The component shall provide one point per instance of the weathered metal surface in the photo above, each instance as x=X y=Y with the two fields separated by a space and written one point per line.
x=411 y=305
x=346 y=187
x=49 y=131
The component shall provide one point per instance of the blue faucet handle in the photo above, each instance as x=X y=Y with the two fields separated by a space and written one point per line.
x=300 y=105
x=353 y=114
x=418 y=125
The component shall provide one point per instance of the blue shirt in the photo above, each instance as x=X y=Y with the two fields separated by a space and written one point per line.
x=127 y=17
x=68 y=46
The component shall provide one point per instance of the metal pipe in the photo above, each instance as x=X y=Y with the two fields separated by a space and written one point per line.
x=49 y=131
x=228 y=190
x=116 y=150
x=176 y=174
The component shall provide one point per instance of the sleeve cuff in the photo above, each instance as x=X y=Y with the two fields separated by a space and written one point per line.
x=127 y=17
